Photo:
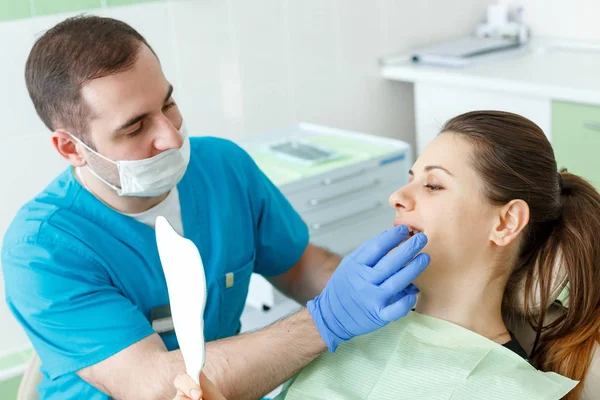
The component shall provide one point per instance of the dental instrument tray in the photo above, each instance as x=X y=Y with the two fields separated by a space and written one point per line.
x=302 y=152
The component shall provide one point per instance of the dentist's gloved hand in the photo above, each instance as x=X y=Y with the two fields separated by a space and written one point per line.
x=370 y=288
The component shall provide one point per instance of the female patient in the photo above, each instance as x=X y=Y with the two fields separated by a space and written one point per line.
x=487 y=194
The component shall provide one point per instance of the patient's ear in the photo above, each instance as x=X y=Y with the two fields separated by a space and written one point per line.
x=512 y=218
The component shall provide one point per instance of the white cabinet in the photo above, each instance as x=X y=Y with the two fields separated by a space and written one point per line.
x=344 y=202
x=435 y=104
x=526 y=82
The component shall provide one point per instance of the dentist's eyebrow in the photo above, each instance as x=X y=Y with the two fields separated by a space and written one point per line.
x=430 y=168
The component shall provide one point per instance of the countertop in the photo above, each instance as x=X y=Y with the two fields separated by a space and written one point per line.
x=558 y=70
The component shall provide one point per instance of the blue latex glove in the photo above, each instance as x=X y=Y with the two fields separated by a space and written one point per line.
x=370 y=288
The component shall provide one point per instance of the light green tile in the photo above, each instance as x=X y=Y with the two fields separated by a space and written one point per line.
x=8 y=388
x=14 y=359
x=112 y=3
x=14 y=9
x=45 y=7
x=576 y=139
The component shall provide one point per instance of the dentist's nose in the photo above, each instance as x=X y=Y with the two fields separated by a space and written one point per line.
x=168 y=137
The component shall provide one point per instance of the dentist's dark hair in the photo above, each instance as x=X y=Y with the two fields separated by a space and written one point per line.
x=516 y=161
x=68 y=56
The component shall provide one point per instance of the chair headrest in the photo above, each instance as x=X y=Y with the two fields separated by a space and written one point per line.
x=558 y=283
x=526 y=337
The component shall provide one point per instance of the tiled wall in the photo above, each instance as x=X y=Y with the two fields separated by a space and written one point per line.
x=18 y=9
x=239 y=68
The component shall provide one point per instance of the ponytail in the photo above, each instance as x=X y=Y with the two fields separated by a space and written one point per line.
x=567 y=344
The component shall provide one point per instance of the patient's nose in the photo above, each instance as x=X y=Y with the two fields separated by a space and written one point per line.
x=401 y=200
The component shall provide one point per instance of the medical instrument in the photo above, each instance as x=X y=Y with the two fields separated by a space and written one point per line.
x=461 y=52
x=186 y=284
x=370 y=288
x=502 y=36
x=302 y=152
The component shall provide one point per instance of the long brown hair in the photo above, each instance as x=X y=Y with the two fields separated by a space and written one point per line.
x=516 y=161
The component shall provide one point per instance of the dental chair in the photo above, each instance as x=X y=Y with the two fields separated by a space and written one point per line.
x=525 y=334
x=31 y=379
x=518 y=325
x=526 y=337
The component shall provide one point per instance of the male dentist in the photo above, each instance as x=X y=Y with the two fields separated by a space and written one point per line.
x=80 y=262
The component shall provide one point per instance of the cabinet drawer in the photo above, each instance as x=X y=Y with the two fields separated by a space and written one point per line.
x=344 y=238
x=576 y=139
x=355 y=182
x=348 y=211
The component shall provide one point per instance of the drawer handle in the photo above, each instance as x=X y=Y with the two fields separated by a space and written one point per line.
x=319 y=226
x=330 y=181
x=595 y=126
x=318 y=202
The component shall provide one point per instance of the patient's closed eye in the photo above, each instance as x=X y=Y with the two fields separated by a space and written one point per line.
x=432 y=187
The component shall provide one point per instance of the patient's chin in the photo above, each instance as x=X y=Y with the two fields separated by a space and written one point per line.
x=426 y=277
x=423 y=278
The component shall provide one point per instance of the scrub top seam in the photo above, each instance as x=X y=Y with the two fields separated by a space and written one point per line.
x=38 y=239
x=69 y=206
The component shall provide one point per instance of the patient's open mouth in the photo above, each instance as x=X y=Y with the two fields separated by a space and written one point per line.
x=411 y=229
x=412 y=232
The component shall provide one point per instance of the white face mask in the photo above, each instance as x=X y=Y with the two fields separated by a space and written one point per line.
x=149 y=177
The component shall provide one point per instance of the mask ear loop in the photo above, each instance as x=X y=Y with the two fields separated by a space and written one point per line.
x=110 y=185
x=88 y=148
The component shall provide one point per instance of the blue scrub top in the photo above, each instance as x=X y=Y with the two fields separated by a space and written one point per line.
x=82 y=278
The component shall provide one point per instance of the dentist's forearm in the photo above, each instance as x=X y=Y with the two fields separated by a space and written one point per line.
x=251 y=365
x=306 y=280
x=313 y=280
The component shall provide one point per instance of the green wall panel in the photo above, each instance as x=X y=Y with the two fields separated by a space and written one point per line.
x=20 y=9
x=8 y=388
x=111 y=3
x=45 y=7
x=576 y=139
x=14 y=9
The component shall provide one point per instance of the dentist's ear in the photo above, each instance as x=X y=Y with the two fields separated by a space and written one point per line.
x=68 y=148
x=511 y=220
